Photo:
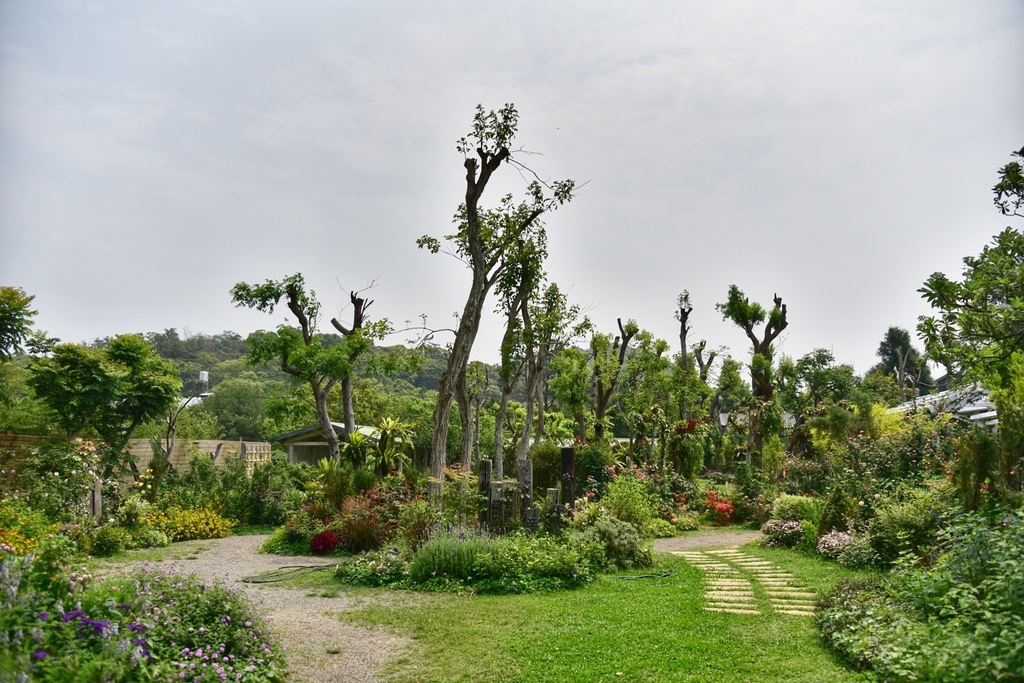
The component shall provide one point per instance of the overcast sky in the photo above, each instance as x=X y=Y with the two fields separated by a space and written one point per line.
x=153 y=154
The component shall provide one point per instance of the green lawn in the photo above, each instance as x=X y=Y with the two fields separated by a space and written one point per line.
x=613 y=630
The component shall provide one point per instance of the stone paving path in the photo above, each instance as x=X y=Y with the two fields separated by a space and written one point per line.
x=742 y=584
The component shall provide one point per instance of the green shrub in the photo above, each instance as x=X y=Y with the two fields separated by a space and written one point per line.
x=379 y=568
x=189 y=524
x=148 y=537
x=359 y=526
x=110 y=540
x=662 y=528
x=516 y=563
x=592 y=463
x=416 y=521
x=363 y=480
x=796 y=508
x=687 y=520
x=520 y=563
x=905 y=521
x=547 y=465
x=623 y=546
x=197 y=487
x=837 y=513
x=959 y=620
x=133 y=512
x=450 y=555
x=79 y=536
x=627 y=499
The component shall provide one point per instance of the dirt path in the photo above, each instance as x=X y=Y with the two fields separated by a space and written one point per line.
x=319 y=647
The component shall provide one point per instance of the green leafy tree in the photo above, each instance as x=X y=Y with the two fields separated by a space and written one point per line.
x=16 y=317
x=237 y=405
x=903 y=362
x=748 y=316
x=301 y=351
x=608 y=356
x=980 y=320
x=739 y=310
x=570 y=383
x=110 y=390
x=550 y=324
x=488 y=242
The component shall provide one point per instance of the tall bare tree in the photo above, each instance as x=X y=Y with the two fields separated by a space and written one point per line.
x=486 y=241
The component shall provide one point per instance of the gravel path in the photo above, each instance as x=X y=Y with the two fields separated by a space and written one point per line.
x=707 y=538
x=319 y=647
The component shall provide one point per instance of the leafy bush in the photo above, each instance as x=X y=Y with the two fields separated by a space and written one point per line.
x=133 y=512
x=57 y=478
x=148 y=537
x=197 y=487
x=687 y=521
x=837 y=513
x=848 y=549
x=144 y=626
x=781 y=533
x=623 y=546
x=363 y=480
x=450 y=555
x=110 y=540
x=547 y=465
x=627 y=499
x=960 y=620
x=416 y=521
x=592 y=463
x=325 y=542
x=515 y=563
x=905 y=521
x=190 y=524
x=359 y=526
x=378 y=568
x=661 y=528
x=719 y=508
x=796 y=508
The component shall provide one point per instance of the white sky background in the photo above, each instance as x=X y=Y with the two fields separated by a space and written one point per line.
x=152 y=154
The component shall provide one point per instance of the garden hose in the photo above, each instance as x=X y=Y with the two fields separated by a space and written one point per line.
x=288 y=572
x=660 y=575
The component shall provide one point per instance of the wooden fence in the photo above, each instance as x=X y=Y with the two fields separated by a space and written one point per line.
x=221 y=452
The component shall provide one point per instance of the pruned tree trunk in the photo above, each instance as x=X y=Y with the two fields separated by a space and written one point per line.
x=465 y=403
x=499 y=437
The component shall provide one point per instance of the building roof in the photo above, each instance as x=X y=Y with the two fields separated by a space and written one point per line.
x=314 y=431
x=970 y=404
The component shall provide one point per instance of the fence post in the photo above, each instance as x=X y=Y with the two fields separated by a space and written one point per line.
x=569 y=475
x=483 y=473
x=96 y=499
x=496 y=511
x=524 y=474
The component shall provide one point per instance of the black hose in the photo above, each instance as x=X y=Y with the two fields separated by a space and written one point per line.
x=660 y=575
x=287 y=572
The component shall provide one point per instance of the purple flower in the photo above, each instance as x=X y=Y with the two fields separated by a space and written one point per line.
x=43 y=616
x=73 y=614
x=39 y=655
x=135 y=627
